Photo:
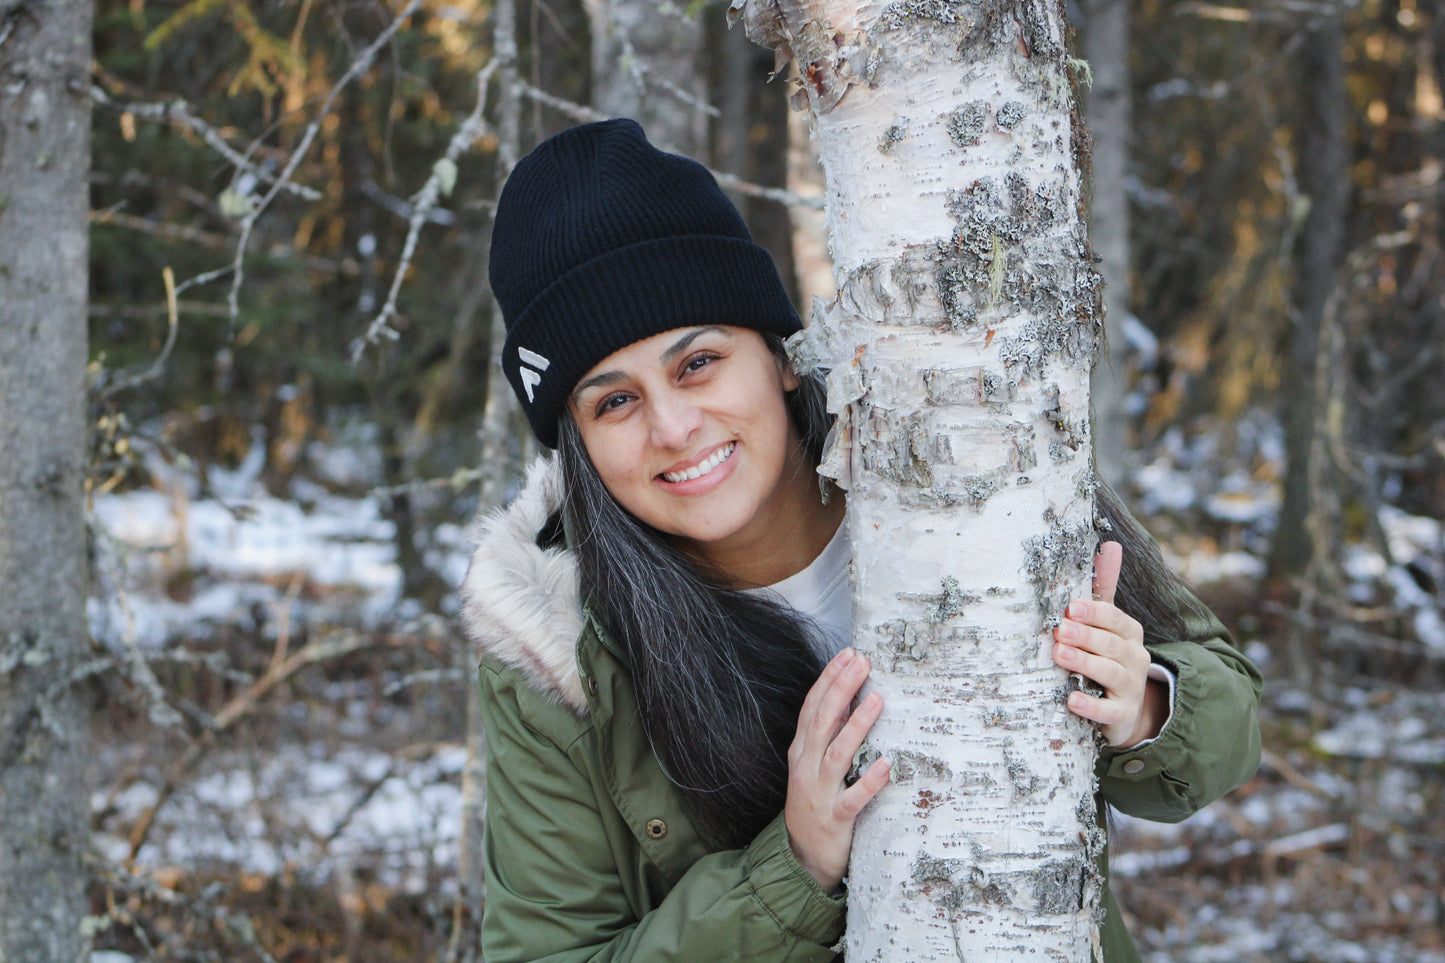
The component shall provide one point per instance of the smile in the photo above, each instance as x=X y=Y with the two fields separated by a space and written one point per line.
x=703 y=467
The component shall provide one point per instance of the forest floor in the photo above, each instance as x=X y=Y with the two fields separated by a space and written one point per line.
x=278 y=768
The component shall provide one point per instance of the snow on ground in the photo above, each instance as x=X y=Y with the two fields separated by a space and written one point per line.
x=235 y=555
x=1247 y=879
x=304 y=810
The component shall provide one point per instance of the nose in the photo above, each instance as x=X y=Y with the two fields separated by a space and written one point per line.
x=675 y=420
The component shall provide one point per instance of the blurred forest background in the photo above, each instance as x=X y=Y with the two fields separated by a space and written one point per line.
x=293 y=416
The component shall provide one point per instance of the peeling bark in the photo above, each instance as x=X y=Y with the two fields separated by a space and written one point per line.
x=959 y=343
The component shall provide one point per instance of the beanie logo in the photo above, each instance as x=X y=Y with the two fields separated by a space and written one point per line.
x=531 y=378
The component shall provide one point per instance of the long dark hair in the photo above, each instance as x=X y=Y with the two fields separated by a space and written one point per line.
x=720 y=674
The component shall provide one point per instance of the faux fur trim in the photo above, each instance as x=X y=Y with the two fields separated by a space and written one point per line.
x=521 y=603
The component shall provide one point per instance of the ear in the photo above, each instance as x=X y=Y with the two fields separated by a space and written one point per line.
x=790 y=378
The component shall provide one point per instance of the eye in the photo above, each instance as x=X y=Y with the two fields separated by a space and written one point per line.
x=699 y=361
x=610 y=403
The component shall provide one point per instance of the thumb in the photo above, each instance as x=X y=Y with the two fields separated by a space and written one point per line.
x=1106 y=571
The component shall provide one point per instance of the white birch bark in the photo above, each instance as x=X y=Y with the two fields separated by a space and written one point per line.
x=960 y=343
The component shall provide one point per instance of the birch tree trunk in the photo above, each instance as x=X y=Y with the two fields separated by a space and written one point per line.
x=960 y=344
x=44 y=726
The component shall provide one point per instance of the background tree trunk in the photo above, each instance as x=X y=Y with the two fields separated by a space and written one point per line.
x=645 y=65
x=1322 y=156
x=959 y=348
x=1107 y=106
x=45 y=58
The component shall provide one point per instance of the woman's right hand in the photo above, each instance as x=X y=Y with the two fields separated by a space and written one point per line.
x=821 y=809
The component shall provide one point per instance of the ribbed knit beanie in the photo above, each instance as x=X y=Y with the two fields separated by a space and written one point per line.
x=601 y=240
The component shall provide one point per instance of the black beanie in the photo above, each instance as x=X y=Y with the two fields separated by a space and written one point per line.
x=601 y=240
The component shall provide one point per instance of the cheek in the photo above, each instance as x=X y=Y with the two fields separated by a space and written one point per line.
x=618 y=463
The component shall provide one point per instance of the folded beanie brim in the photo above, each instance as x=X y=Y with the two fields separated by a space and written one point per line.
x=631 y=293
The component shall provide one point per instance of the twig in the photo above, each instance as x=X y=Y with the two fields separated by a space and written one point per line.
x=179 y=112
x=645 y=77
x=128 y=881
x=1296 y=778
x=248 y=223
x=238 y=708
x=781 y=195
x=445 y=169
x=157 y=366
x=572 y=109
x=457 y=481
x=422 y=678
x=731 y=181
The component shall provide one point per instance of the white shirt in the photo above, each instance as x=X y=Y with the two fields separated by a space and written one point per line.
x=821 y=593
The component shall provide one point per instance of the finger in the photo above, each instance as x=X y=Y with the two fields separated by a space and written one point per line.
x=856 y=796
x=813 y=701
x=1117 y=680
x=1128 y=650
x=833 y=708
x=839 y=756
x=819 y=689
x=1116 y=717
x=1106 y=571
x=1106 y=616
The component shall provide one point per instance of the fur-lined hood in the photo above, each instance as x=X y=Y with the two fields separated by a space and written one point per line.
x=521 y=603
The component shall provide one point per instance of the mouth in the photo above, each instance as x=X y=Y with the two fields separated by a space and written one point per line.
x=704 y=467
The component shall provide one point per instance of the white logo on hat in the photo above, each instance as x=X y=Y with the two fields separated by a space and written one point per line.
x=531 y=378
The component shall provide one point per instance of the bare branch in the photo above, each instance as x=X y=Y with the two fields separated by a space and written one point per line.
x=157 y=366
x=358 y=66
x=646 y=77
x=732 y=182
x=443 y=172
x=179 y=112
x=572 y=109
x=781 y=195
x=281 y=670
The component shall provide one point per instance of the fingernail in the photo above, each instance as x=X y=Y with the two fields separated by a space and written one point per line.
x=1065 y=653
x=846 y=655
x=1078 y=610
x=1067 y=630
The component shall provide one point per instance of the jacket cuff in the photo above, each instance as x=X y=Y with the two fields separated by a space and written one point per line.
x=788 y=892
x=1151 y=757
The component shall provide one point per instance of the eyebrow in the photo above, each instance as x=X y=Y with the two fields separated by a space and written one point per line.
x=667 y=357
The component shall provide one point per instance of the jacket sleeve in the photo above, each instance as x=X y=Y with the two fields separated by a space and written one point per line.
x=554 y=888
x=1211 y=742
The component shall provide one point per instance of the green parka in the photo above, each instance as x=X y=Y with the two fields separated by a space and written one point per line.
x=589 y=851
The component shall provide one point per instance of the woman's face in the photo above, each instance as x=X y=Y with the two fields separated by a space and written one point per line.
x=689 y=431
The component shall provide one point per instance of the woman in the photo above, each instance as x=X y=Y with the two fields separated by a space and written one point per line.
x=663 y=610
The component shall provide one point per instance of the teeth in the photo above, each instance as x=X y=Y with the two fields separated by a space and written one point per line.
x=698 y=470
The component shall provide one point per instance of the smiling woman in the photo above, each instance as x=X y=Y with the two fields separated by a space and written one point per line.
x=669 y=696
x=689 y=430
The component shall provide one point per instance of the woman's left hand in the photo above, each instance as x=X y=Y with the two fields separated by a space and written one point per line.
x=1103 y=643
